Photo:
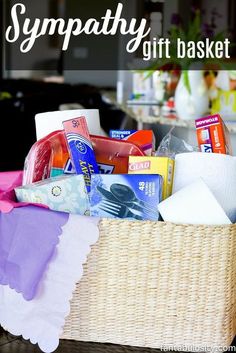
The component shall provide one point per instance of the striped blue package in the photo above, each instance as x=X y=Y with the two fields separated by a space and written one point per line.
x=128 y=196
x=81 y=149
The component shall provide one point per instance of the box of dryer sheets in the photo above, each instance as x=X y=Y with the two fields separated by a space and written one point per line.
x=154 y=165
x=213 y=135
x=126 y=196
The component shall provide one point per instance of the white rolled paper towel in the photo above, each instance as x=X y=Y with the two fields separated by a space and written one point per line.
x=194 y=204
x=218 y=171
x=52 y=121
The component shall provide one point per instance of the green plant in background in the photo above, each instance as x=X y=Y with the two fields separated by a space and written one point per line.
x=5 y=95
x=195 y=32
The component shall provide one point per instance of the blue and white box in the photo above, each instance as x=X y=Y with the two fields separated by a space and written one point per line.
x=126 y=196
x=62 y=193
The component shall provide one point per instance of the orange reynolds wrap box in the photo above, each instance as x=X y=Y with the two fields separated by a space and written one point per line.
x=213 y=135
x=145 y=139
x=163 y=166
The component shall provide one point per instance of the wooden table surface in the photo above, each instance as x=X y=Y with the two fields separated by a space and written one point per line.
x=11 y=344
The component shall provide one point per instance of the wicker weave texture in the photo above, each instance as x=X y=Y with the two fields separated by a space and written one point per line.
x=151 y=284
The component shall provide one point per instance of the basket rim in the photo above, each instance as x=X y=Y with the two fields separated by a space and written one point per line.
x=169 y=224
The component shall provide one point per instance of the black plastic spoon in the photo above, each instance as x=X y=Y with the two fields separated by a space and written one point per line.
x=126 y=194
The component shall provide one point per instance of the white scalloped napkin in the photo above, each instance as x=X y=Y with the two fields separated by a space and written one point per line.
x=42 y=319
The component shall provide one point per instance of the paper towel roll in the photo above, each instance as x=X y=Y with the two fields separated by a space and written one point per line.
x=194 y=204
x=218 y=171
x=52 y=121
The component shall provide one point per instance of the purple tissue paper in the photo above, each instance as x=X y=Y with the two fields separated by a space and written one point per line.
x=28 y=238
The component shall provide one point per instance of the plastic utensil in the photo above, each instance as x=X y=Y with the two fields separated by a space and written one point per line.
x=107 y=194
x=118 y=210
x=125 y=193
x=110 y=197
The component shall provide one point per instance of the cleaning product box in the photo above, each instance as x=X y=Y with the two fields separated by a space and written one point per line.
x=80 y=148
x=63 y=193
x=155 y=165
x=213 y=135
x=126 y=196
x=145 y=139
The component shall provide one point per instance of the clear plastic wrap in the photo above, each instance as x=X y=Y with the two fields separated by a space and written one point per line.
x=171 y=145
x=47 y=158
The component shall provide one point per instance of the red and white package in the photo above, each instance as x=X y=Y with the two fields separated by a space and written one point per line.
x=112 y=155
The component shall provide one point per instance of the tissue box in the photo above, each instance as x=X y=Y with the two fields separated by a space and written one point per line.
x=155 y=165
x=126 y=196
x=63 y=193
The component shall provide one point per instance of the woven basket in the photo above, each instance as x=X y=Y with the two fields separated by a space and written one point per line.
x=155 y=284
